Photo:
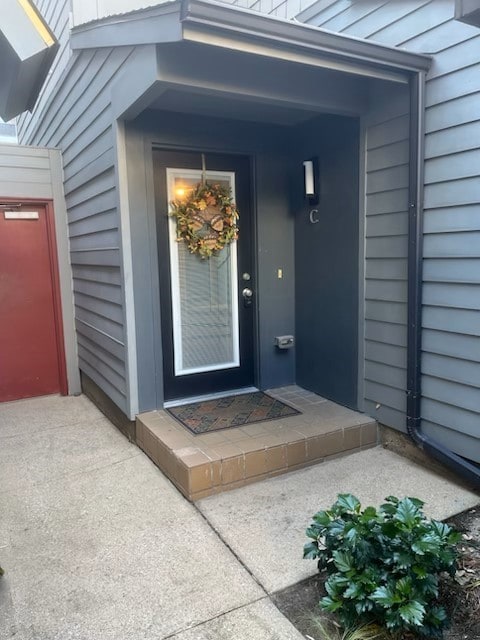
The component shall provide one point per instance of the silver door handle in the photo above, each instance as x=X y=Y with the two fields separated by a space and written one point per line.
x=247 y=293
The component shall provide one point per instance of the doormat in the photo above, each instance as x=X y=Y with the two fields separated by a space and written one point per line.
x=232 y=411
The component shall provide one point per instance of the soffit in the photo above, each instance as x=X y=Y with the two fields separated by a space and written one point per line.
x=230 y=75
x=27 y=49
x=178 y=101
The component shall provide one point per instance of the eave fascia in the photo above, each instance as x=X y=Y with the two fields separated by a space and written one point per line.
x=204 y=19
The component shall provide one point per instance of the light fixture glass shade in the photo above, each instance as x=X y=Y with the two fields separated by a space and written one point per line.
x=309 y=179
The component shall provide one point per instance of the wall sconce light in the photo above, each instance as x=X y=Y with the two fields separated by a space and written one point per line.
x=310 y=169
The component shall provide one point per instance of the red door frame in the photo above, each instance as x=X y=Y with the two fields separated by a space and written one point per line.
x=54 y=272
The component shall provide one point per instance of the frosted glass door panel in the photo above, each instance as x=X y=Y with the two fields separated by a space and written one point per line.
x=204 y=292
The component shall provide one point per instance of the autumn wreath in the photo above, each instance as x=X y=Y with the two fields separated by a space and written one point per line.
x=206 y=219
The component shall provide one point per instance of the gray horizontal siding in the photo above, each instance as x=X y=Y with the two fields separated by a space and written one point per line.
x=466 y=446
x=385 y=334
x=78 y=118
x=465 y=372
x=460 y=270
x=451 y=349
x=459 y=244
x=451 y=114
x=279 y=8
x=25 y=172
x=462 y=321
x=385 y=311
x=454 y=345
x=451 y=219
x=386 y=415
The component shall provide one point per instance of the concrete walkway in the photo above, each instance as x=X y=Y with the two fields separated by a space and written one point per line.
x=97 y=544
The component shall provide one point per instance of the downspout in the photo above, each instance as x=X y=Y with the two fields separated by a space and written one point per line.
x=468 y=470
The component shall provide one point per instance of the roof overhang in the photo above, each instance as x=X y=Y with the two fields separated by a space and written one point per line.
x=27 y=50
x=217 y=24
x=468 y=11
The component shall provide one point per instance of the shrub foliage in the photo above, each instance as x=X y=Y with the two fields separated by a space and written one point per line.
x=383 y=565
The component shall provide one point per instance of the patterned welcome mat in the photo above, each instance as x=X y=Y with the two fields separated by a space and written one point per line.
x=232 y=411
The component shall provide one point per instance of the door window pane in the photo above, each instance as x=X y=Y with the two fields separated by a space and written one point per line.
x=204 y=293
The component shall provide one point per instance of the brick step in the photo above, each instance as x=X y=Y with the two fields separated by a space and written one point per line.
x=205 y=464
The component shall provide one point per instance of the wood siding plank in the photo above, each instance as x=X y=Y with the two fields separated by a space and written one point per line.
x=457 y=296
x=389 y=224
x=98 y=274
x=456 y=139
x=387 y=133
x=453 y=167
x=388 y=333
x=393 y=312
x=448 y=194
x=455 y=345
x=452 y=219
x=390 y=290
x=452 y=369
x=387 y=247
x=460 y=270
x=386 y=354
x=386 y=269
x=453 y=245
x=453 y=113
x=114 y=347
x=388 y=155
x=383 y=394
x=451 y=416
x=384 y=179
x=461 y=321
x=453 y=393
x=465 y=445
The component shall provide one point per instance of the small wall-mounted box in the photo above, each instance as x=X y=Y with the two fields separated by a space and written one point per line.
x=284 y=342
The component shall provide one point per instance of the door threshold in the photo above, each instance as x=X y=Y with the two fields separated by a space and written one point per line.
x=208 y=396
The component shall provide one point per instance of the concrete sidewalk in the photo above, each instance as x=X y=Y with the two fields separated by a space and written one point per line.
x=97 y=544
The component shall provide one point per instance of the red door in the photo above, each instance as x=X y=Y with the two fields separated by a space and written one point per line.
x=30 y=363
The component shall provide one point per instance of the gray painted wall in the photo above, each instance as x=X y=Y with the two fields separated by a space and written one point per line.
x=28 y=172
x=327 y=260
x=451 y=303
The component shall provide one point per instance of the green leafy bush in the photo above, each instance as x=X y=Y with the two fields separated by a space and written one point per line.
x=383 y=565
